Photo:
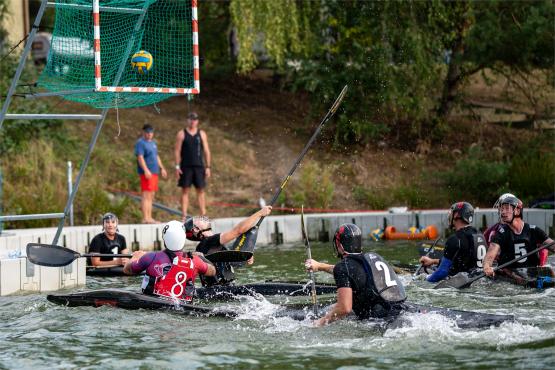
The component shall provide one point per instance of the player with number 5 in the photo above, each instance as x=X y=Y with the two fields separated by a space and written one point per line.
x=366 y=284
x=464 y=250
x=515 y=238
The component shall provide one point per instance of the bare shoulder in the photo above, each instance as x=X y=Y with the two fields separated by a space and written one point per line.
x=180 y=135
x=203 y=134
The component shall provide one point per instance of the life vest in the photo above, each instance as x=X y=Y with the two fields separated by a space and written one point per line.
x=384 y=281
x=224 y=275
x=480 y=249
x=178 y=283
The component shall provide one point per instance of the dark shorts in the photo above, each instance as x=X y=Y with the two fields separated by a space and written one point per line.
x=192 y=176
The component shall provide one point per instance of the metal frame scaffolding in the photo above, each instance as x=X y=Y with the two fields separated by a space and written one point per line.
x=99 y=118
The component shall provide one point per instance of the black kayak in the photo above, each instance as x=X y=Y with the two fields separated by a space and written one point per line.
x=224 y=292
x=105 y=271
x=131 y=300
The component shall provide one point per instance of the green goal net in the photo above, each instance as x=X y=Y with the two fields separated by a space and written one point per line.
x=146 y=51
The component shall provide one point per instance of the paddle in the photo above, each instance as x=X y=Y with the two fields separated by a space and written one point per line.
x=462 y=281
x=57 y=256
x=311 y=272
x=430 y=250
x=247 y=241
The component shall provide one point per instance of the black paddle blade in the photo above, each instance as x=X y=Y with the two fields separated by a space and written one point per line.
x=50 y=255
x=459 y=281
x=229 y=256
x=247 y=241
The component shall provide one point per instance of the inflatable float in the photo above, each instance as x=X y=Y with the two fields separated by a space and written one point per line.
x=429 y=232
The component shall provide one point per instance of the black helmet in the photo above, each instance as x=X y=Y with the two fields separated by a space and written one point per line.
x=461 y=211
x=513 y=201
x=347 y=239
x=193 y=231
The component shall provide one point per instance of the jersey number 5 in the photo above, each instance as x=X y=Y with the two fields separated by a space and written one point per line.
x=520 y=250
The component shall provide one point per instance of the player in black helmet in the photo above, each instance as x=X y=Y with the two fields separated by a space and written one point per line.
x=515 y=238
x=464 y=250
x=366 y=284
x=200 y=229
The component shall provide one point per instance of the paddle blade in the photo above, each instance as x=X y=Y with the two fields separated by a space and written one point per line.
x=229 y=256
x=247 y=241
x=459 y=281
x=50 y=255
x=339 y=99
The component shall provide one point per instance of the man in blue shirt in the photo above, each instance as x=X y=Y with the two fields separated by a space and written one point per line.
x=149 y=165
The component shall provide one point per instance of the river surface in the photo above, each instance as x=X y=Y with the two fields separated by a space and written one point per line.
x=37 y=334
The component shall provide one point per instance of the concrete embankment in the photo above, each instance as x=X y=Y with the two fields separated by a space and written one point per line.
x=18 y=274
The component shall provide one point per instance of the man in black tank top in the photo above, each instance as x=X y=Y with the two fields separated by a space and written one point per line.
x=192 y=162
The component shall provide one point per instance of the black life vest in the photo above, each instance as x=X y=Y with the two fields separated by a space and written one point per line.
x=382 y=279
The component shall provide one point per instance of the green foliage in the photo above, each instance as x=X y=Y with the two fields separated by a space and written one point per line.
x=532 y=169
x=15 y=133
x=476 y=178
x=314 y=187
x=515 y=33
x=410 y=195
x=215 y=25
x=392 y=54
x=36 y=183
x=278 y=20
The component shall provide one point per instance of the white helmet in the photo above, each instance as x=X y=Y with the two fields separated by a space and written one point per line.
x=173 y=235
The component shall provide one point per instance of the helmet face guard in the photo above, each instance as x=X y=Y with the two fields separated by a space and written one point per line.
x=347 y=240
x=515 y=203
x=196 y=226
x=109 y=217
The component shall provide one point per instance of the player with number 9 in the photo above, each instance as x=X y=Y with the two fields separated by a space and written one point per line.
x=464 y=250
x=366 y=283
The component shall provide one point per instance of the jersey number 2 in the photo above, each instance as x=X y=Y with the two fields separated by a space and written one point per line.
x=380 y=266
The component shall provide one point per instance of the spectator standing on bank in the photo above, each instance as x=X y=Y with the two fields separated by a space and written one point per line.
x=149 y=166
x=192 y=162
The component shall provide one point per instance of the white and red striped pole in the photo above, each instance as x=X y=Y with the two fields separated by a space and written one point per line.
x=196 y=63
x=96 y=27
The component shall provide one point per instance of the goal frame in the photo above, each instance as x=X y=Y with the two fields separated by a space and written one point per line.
x=137 y=89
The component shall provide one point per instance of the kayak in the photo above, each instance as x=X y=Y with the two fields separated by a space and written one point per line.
x=266 y=288
x=105 y=271
x=131 y=300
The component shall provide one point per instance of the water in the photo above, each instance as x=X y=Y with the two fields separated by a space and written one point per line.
x=37 y=334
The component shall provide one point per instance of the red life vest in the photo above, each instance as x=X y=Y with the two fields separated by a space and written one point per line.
x=178 y=283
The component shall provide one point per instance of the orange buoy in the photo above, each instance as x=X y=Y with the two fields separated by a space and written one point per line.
x=430 y=232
